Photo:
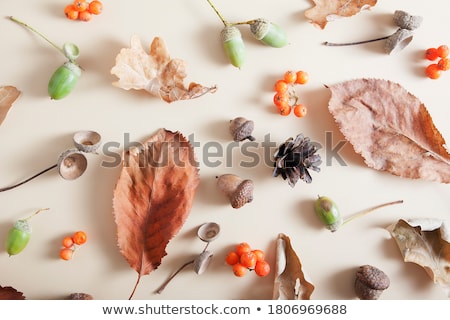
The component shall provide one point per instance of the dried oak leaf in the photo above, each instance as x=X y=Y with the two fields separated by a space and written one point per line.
x=390 y=128
x=8 y=94
x=9 y=293
x=153 y=197
x=290 y=281
x=155 y=73
x=325 y=11
x=426 y=243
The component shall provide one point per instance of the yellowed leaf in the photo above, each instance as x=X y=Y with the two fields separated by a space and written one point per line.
x=155 y=72
x=8 y=94
x=325 y=11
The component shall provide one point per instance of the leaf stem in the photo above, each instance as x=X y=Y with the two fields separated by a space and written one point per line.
x=38 y=33
x=165 y=283
x=218 y=13
x=29 y=179
x=333 y=44
x=362 y=213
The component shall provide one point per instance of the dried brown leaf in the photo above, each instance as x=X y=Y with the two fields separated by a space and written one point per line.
x=9 y=293
x=290 y=281
x=155 y=72
x=153 y=198
x=8 y=94
x=390 y=128
x=325 y=11
x=425 y=243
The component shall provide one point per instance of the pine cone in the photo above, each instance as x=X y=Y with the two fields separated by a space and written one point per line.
x=293 y=159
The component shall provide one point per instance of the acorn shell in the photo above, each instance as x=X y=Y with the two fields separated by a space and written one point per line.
x=269 y=33
x=87 y=141
x=208 y=231
x=202 y=262
x=71 y=164
x=233 y=45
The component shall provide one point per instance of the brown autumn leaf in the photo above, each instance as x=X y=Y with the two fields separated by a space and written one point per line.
x=390 y=128
x=425 y=242
x=8 y=94
x=290 y=281
x=325 y=11
x=155 y=72
x=153 y=197
x=9 y=293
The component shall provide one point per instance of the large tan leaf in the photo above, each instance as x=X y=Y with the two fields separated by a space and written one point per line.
x=153 y=198
x=327 y=10
x=426 y=243
x=8 y=94
x=155 y=72
x=390 y=128
x=290 y=280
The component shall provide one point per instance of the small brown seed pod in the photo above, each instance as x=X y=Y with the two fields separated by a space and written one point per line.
x=370 y=282
x=79 y=296
x=241 y=129
x=239 y=191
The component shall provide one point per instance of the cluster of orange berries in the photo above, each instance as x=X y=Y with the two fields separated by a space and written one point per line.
x=243 y=258
x=285 y=98
x=434 y=70
x=70 y=244
x=83 y=10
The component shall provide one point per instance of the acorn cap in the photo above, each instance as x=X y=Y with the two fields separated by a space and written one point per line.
x=398 y=40
x=202 y=262
x=405 y=20
x=208 y=231
x=87 y=141
x=71 y=164
x=241 y=129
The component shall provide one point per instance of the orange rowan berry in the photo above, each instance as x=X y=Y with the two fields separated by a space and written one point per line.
x=431 y=54
x=232 y=258
x=290 y=76
x=248 y=260
x=433 y=71
x=443 y=51
x=262 y=268
x=95 y=7
x=259 y=254
x=285 y=110
x=242 y=248
x=85 y=16
x=81 y=5
x=302 y=77
x=67 y=242
x=70 y=12
x=281 y=86
x=239 y=270
x=79 y=237
x=444 y=64
x=300 y=110
x=66 y=253
x=281 y=99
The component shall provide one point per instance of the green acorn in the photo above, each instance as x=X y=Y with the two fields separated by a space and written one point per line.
x=233 y=45
x=328 y=213
x=268 y=33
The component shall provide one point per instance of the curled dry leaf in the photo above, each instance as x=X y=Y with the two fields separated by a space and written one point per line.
x=426 y=243
x=290 y=281
x=390 y=128
x=155 y=72
x=153 y=198
x=8 y=94
x=327 y=10
x=9 y=293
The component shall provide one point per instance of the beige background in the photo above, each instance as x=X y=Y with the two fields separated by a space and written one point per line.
x=37 y=130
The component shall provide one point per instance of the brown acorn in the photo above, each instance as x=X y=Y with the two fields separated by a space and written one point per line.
x=239 y=191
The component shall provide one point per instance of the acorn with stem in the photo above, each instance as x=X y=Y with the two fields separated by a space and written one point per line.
x=64 y=79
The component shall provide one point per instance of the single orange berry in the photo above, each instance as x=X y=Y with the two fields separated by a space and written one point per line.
x=81 y=5
x=281 y=99
x=259 y=254
x=290 y=76
x=281 y=86
x=248 y=260
x=70 y=12
x=242 y=248
x=443 y=51
x=300 y=110
x=285 y=110
x=302 y=77
x=66 y=253
x=444 y=64
x=239 y=270
x=95 y=7
x=79 y=237
x=431 y=54
x=67 y=242
x=433 y=71
x=232 y=258
x=262 y=268
x=85 y=16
